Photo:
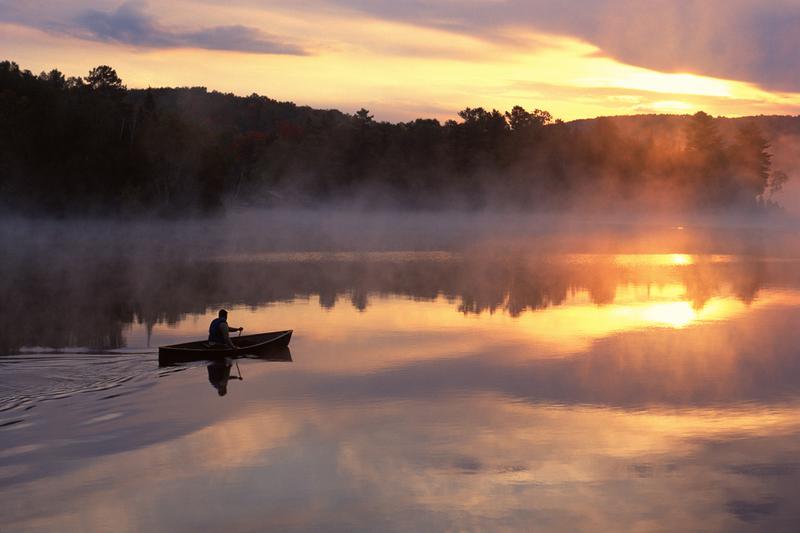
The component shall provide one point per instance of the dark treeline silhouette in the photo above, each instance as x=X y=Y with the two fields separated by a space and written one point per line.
x=90 y=145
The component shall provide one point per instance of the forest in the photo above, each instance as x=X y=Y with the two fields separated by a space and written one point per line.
x=89 y=145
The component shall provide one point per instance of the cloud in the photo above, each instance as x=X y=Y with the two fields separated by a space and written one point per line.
x=130 y=24
x=747 y=40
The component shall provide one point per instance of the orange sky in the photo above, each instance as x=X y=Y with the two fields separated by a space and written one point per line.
x=328 y=54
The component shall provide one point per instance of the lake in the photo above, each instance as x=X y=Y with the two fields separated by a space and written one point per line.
x=461 y=372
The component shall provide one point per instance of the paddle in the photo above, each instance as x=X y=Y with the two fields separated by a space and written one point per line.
x=237 y=362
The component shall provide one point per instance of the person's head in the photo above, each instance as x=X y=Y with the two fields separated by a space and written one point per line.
x=222 y=390
x=223 y=313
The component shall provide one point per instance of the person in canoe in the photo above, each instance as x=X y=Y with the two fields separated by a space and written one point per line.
x=219 y=331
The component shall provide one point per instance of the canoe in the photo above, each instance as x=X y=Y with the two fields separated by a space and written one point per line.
x=278 y=354
x=262 y=344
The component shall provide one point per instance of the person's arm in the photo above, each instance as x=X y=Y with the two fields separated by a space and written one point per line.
x=225 y=329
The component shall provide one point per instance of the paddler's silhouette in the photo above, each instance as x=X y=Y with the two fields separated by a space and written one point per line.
x=219 y=372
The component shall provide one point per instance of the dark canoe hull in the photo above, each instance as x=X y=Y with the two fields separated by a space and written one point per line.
x=261 y=345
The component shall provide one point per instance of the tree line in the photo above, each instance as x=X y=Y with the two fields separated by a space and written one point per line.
x=90 y=145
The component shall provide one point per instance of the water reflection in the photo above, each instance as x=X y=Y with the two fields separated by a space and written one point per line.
x=449 y=459
x=219 y=373
x=93 y=304
x=504 y=390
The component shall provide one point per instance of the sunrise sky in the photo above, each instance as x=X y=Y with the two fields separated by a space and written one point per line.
x=408 y=59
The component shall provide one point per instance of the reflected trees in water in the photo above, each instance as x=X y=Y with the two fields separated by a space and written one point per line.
x=59 y=300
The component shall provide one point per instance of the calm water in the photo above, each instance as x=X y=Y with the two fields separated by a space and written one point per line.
x=439 y=379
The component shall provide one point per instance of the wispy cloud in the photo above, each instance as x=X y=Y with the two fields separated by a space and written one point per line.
x=130 y=24
x=747 y=40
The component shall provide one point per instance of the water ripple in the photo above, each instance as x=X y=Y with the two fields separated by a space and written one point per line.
x=33 y=378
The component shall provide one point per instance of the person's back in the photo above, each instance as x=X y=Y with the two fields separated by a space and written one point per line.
x=215 y=334
x=219 y=331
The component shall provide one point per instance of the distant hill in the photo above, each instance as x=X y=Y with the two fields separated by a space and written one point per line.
x=773 y=126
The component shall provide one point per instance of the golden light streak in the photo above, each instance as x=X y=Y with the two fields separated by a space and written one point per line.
x=649 y=260
x=633 y=78
x=658 y=259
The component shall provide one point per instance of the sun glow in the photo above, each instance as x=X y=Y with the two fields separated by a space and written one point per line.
x=681 y=259
x=674 y=314
x=654 y=259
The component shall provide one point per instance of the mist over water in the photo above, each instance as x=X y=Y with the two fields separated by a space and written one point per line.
x=456 y=370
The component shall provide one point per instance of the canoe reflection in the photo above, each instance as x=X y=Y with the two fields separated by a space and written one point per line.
x=219 y=371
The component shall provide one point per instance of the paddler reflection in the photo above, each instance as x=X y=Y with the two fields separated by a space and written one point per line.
x=219 y=373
